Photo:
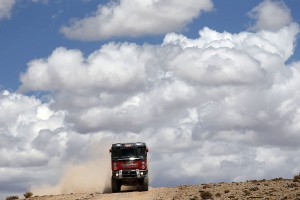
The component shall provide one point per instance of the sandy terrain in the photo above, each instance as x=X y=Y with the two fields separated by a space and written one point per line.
x=276 y=189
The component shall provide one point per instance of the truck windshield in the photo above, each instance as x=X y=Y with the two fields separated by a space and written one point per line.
x=129 y=152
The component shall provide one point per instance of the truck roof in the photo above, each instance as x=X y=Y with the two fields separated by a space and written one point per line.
x=128 y=145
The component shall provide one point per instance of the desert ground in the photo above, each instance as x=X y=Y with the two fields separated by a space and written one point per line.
x=275 y=189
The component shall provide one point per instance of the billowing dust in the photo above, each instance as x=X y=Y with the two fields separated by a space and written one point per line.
x=89 y=176
x=92 y=176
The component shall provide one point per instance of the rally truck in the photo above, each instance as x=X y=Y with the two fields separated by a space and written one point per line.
x=129 y=166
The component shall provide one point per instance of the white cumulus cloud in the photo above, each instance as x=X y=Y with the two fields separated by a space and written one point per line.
x=271 y=15
x=217 y=103
x=136 y=18
x=224 y=106
x=25 y=120
x=6 y=7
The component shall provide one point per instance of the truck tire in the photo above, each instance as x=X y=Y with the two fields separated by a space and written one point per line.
x=145 y=185
x=115 y=186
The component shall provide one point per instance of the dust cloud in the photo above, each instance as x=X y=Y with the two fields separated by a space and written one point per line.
x=89 y=177
x=92 y=175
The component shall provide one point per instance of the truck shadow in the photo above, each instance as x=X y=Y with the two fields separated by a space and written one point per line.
x=125 y=189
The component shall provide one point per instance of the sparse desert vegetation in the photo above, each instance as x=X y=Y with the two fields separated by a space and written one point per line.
x=12 y=197
x=28 y=194
x=206 y=195
x=297 y=178
x=274 y=189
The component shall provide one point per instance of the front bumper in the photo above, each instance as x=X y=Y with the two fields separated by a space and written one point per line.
x=130 y=174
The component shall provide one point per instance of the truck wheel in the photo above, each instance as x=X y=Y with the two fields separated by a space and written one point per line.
x=145 y=186
x=115 y=186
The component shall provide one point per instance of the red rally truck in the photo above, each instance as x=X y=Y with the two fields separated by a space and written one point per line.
x=129 y=166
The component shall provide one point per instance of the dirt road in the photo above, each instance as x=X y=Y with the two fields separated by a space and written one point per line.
x=276 y=189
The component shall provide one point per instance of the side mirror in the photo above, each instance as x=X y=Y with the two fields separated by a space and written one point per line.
x=147 y=149
x=109 y=150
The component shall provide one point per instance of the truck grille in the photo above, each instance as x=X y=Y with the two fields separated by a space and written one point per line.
x=129 y=173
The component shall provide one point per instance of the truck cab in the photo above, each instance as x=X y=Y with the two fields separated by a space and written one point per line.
x=129 y=166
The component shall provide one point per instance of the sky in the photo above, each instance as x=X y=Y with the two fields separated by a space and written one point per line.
x=212 y=86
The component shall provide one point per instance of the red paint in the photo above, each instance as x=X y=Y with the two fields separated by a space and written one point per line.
x=132 y=164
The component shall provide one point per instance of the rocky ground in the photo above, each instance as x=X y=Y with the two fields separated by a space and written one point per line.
x=275 y=189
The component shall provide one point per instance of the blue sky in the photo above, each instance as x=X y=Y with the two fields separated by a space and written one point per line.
x=33 y=30
x=213 y=84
